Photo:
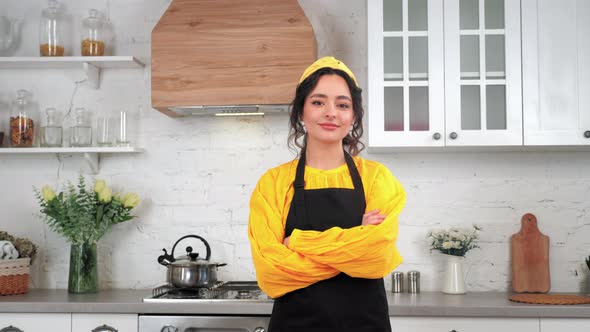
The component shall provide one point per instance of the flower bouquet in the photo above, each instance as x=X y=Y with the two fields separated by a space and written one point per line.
x=83 y=216
x=456 y=242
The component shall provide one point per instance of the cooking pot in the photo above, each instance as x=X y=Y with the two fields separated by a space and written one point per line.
x=190 y=271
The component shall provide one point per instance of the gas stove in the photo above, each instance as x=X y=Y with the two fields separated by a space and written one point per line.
x=228 y=291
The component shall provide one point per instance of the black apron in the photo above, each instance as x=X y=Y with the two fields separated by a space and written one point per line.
x=341 y=303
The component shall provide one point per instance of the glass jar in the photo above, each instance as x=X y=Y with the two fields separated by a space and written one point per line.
x=81 y=132
x=51 y=31
x=93 y=41
x=22 y=120
x=51 y=134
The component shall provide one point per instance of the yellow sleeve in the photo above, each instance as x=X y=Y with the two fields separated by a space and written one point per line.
x=362 y=251
x=279 y=270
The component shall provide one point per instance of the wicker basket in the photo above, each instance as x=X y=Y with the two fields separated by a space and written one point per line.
x=14 y=276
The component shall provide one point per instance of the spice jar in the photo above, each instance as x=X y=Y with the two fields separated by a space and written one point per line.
x=81 y=132
x=22 y=120
x=52 y=132
x=93 y=34
x=51 y=31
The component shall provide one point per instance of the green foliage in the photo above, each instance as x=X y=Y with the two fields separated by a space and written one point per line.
x=454 y=241
x=25 y=247
x=82 y=215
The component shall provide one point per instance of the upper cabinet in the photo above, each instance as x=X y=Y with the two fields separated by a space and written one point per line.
x=556 y=72
x=444 y=73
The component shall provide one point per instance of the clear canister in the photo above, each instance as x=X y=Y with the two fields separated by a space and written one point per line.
x=52 y=31
x=93 y=37
x=413 y=282
x=23 y=120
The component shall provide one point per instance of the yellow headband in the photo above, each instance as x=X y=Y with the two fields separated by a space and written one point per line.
x=329 y=62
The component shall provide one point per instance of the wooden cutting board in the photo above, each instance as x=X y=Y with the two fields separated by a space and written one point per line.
x=530 y=258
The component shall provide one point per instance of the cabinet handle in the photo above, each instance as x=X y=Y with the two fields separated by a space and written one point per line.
x=104 y=328
x=453 y=330
x=453 y=135
x=436 y=136
x=587 y=134
x=260 y=329
x=11 y=329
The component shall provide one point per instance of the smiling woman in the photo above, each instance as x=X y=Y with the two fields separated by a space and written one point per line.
x=323 y=228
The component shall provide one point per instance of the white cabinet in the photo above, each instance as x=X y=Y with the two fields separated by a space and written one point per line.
x=463 y=324
x=556 y=72
x=444 y=73
x=565 y=324
x=89 y=322
x=37 y=322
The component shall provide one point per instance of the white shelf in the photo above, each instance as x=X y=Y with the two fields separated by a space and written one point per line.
x=39 y=62
x=91 y=154
x=90 y=149
x=91 y=65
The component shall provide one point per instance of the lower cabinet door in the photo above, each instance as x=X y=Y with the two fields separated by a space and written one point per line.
x=565 y=324
x=463 y=324
x=32 y=322
x=89 y=322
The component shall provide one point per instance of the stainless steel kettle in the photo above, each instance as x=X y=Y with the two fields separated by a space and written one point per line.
x=189 y=271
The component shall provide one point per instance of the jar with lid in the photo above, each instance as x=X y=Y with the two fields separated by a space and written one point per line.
x=23 y=118
x=93 y=41
x=51 y=133
x=81 y=132
x=52 y=30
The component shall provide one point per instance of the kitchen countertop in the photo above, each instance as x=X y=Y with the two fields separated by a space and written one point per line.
x=480 y=304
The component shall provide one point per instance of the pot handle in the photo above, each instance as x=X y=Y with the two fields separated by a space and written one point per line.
x=207 y=247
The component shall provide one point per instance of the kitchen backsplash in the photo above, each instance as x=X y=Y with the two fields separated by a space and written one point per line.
x=196 y=174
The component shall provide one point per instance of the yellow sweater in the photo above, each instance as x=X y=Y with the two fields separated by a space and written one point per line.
x=312 y=256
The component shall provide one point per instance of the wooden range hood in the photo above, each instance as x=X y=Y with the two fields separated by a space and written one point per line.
x=209 y=54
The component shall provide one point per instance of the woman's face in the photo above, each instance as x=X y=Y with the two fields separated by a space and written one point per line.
x=327 y=111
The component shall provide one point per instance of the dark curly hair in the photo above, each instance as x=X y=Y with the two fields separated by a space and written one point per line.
x=351 y=142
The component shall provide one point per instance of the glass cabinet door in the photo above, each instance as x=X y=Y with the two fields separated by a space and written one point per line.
x=406 y=81
x=482 y=72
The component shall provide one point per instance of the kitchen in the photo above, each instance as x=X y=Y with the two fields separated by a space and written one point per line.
x=201 y=171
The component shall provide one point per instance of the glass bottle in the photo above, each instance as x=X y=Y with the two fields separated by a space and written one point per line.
x=81 y=132
x=22 y=120
x=93 y=34
x=51 y=33
x=51 y=133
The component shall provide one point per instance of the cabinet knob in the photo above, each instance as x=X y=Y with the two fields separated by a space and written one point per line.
x=453 y=135
x=260 y=329
x=436 y=136
x=453 y=330
x=11 y=329
x=587 y=134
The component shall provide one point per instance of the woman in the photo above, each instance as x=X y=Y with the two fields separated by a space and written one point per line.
x=323 y=228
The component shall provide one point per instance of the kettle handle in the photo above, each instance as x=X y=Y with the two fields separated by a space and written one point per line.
x=207 y=247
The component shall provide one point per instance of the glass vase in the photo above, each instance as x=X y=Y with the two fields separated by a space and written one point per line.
x=83 y=277
x=454 y=282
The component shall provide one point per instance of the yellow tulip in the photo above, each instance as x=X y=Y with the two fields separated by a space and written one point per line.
x=99 y=186
x=105 y=195
x=131 y=200
x=47 y=193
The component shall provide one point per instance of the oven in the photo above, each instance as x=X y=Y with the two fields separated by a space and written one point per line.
x=152 y=323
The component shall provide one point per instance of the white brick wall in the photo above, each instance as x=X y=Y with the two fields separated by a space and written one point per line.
x=196 y=174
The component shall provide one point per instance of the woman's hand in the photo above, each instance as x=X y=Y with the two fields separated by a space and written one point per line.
x=286 y=241
x=373 y=218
